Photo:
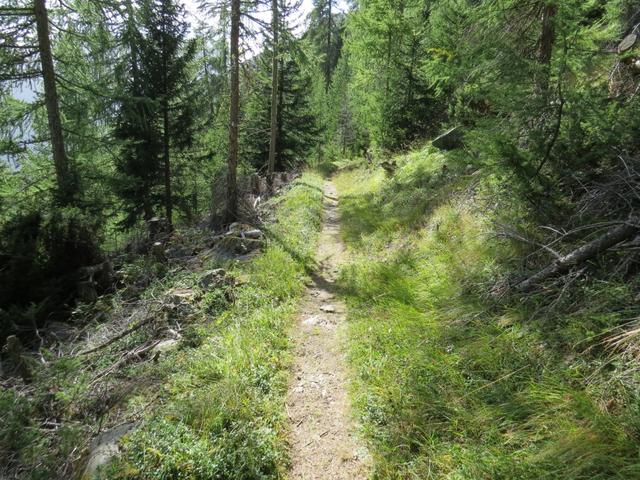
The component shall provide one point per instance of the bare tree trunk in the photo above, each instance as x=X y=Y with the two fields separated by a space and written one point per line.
x=66 y=183
x=547 y=40
x=274 y=95
x=328 y=58
x=584 y=253
x=168 y=198
x=234 y=113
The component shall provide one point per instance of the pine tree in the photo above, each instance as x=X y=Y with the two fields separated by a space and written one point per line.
x=157 y=99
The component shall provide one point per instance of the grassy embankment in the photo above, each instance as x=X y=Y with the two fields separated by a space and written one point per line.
x=452 y=383
x=211 y=408
x=225 y=417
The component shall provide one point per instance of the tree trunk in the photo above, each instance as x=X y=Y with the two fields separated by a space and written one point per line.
x=168 y=199
x=327 y=73
x=388 y=63
x=547 y=39
x=280 y=100
x=234 y=113
x=67 y=187
x=207 y=78
x=584 y=253
x=131 y=27
x=274 y=95
x=412 y=62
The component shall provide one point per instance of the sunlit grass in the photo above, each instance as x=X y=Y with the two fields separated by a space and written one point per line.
x=448 y=382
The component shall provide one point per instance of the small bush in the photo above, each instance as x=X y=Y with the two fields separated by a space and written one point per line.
x=16 y=414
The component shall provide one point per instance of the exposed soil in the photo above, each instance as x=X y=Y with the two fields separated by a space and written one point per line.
x=323 y=437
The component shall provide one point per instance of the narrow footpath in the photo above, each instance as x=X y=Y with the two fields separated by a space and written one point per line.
x=323 y=437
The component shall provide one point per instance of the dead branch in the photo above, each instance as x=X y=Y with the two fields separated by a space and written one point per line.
x=510 y=233
x=561 y=265
x=128 y=331
x=125 y=359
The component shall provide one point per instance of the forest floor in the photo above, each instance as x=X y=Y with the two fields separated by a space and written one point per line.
x=323 y=437
x=183 y=371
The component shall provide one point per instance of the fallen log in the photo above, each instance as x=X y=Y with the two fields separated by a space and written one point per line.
x=613 y=237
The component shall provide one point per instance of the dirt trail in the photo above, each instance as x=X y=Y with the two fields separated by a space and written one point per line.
x=323 y=440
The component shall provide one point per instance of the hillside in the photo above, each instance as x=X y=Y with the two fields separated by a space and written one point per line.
x=192 y=365
x=319 y=240
x=456 y=377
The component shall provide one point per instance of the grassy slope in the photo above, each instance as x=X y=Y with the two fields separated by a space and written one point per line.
x=450 y=383
x=225 y=415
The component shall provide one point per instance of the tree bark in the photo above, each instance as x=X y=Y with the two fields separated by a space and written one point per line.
x=234 y=113
x=546 y=42
x=274 y=95
x=212 y=103
x=67 y=187
x=584 y=253
x=168 y=199
x=327 y=72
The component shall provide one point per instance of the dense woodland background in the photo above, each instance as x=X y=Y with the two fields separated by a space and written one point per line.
x=141 y=120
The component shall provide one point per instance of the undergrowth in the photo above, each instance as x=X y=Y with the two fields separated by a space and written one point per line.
x=450 y=382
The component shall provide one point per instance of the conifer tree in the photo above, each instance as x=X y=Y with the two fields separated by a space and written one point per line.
x=273 y=136
x=296 y=121
x=234 y=111
x=157 y=113
x=27 y=54
x=325 y=33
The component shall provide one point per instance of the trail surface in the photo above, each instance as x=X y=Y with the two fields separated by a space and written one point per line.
x=323 y=438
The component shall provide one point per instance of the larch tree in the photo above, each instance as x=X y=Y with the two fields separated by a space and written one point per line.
x=20 y=64
x=234 y=112
x=273 y=135
x=325 y=33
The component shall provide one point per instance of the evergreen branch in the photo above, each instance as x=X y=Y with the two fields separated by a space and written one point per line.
x=80 y=86
x=15 y=11
x=21 y=76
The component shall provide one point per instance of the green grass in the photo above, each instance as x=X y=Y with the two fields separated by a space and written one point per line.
x=448 y=382
x=224 y=417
